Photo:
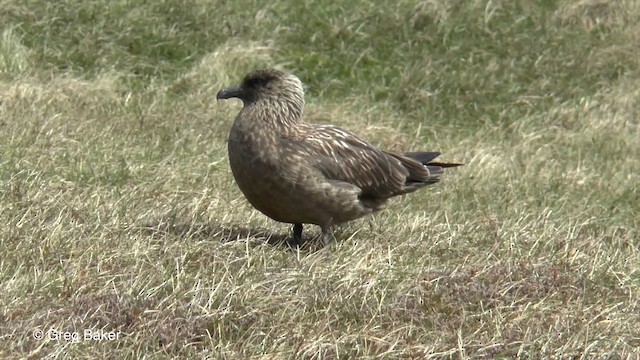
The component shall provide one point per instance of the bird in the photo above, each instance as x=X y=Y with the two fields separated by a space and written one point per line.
x=300 y=173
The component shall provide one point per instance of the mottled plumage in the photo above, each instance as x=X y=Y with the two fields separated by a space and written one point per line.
x=300 y=173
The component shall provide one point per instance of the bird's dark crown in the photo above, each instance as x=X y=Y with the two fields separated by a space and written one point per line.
x=260 y=78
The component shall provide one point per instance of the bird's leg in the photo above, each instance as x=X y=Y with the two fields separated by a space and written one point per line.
x=326 y=235
x=297 y=234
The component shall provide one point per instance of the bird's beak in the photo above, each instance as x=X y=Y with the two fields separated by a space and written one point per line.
x=230 y=92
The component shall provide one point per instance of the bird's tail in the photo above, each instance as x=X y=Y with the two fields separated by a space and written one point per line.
x=425 y=157
x=422 y=171
x=417 y=177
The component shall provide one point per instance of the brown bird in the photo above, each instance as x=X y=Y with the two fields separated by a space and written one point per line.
x=300 y=173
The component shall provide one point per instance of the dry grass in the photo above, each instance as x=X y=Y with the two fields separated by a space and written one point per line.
x=119 y=213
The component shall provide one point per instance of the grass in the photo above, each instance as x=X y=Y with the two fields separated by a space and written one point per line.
x=119 y=212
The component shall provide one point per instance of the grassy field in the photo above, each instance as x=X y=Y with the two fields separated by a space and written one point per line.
x=120 y=217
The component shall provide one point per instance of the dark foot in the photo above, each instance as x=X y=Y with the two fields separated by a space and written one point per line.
x=297 y=235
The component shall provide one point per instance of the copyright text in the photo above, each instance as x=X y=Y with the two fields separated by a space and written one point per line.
x=76 y=336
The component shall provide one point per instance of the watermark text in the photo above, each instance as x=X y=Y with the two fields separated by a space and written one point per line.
x=53 y=334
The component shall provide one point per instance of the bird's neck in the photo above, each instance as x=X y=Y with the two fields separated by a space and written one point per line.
x=278 y=115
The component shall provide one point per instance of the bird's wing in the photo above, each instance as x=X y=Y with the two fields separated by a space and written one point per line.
x=340 y=155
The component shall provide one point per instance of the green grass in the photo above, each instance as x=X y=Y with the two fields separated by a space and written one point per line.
x=119 y=212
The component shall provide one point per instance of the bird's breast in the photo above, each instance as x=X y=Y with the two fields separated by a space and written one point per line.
x=251 y=144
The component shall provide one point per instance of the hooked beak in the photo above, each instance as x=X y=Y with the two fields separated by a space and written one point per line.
x=230 y=92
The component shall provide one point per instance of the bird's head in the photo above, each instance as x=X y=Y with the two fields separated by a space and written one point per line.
x=269 y=85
